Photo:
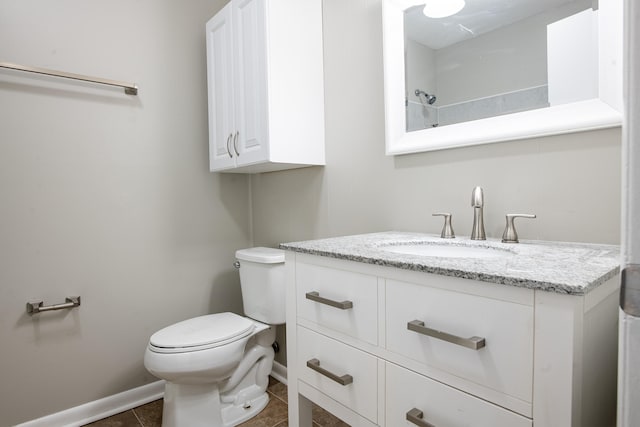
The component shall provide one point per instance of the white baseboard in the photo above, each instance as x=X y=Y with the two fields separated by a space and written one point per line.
x=279 y=372
x=101 y=408
x=111 y=405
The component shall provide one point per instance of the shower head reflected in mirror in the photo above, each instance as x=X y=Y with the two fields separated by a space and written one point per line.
x=429 y=99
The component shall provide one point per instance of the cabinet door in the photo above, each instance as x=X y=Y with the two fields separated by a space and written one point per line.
x=250 y=138
x=449 y=321
x=359 y=320
x=414 y=400
x=355 y=372
x=220 y=87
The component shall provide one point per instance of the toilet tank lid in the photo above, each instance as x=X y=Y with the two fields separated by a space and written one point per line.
x=261 y=255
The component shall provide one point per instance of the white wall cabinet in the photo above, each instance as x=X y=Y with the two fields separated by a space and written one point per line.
x=493 y=355
x=265 y=86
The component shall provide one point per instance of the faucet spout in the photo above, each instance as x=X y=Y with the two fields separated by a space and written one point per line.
x=477 y=197
x=477 y=202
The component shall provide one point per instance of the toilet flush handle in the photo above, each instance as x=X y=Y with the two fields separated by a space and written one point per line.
x=236 y=264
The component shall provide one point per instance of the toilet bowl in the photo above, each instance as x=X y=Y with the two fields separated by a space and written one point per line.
x=217 y=366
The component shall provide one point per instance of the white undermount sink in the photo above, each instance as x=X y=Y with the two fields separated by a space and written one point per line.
x=447 y=251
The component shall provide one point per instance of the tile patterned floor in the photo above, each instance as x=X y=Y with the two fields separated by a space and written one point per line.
x=274 y=415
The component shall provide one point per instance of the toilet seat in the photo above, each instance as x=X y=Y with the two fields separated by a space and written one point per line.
x=201 y=333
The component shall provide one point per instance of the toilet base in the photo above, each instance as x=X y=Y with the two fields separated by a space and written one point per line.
x=232 y=415
x=194 y=405
x=199 y=406
x=229 y=402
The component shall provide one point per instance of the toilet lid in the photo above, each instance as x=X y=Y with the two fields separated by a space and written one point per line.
x=261 y=255
x=202 y=332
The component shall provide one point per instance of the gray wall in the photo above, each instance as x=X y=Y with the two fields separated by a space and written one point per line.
x=572 y=182
x=106 y=196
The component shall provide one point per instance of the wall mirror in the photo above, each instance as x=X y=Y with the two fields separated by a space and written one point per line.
x=499 y=70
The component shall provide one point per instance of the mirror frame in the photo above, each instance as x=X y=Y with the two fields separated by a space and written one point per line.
x=598 y=113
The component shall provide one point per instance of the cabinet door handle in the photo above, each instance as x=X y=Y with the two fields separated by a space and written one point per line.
x=474 y=343
x=235 y=143
x=343 y=380
x=228 y=149
x=415 y=416
x=342 y=305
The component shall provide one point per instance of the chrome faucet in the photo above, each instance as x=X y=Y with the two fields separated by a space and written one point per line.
x=477 y=202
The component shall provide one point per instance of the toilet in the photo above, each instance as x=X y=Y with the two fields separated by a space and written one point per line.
x=217 y=366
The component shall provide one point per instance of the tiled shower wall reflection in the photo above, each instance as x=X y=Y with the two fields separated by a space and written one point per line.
x=420 y=116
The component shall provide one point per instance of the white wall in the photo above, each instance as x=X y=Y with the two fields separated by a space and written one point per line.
x=106 y=196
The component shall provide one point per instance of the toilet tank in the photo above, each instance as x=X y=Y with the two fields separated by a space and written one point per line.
x=263 y=284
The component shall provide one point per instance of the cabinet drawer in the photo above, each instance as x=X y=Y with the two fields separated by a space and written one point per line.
x=440 y=405
x=340 y=300
x=451 y=322
x=356 y=372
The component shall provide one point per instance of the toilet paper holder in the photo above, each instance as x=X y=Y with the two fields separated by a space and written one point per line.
x=39 y=307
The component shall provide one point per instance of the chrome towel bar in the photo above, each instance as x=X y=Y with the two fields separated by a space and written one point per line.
x=129 y=88
x=37 y=307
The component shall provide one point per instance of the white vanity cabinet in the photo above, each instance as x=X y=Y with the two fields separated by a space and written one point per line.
x=265 y=86
x=384 y=346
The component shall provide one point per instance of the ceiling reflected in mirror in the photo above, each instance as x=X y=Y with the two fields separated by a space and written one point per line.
x=476 y=18
x=442 y=8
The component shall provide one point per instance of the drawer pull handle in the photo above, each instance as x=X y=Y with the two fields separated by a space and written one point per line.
x=342 y=305
x=343 y=380
x=474 y=343
x=415 y=416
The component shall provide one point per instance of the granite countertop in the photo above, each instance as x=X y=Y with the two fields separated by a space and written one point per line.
x=567 y=268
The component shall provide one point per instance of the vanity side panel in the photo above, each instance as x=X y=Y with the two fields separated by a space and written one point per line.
x=299 y=406
x=557 y=371
x=600 y=360
x=382 y=394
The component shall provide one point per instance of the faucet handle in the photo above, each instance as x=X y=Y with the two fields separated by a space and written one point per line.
x=447 y=229
x=510 y=235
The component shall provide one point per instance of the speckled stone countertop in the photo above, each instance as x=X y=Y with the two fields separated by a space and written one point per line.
x=567 y=268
